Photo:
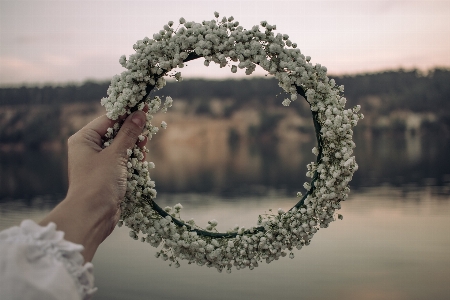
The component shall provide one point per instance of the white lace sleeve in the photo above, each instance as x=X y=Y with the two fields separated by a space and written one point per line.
x=37 y=263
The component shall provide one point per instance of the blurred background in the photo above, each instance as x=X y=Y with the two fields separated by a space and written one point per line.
x=232 y=151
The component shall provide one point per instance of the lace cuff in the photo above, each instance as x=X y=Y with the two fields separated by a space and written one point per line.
x=29 y=251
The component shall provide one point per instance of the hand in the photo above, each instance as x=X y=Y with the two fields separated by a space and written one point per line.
x=97 y=182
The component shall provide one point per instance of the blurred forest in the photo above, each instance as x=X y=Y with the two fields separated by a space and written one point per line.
x=234 y=137
x=391 y=100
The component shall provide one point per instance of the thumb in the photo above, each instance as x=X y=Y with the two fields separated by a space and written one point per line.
x=129 y=132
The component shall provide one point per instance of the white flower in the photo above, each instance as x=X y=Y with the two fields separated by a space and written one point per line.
x=163 y=125
x=315 y=151
x=307 y=186
x=213 y=223
x=286 y=102
x=152 y=193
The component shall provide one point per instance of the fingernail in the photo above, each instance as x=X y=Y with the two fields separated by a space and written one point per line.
x=138 y=119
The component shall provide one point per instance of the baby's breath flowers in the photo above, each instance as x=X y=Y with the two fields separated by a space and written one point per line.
x=226 y=43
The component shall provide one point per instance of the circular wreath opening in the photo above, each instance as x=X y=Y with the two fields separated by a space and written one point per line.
x=226 y=43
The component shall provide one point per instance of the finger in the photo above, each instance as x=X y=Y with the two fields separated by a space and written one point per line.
x=128 y=134
x=100 y=125
x=93 y=132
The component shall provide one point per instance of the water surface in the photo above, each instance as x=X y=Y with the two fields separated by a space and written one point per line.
x=392 y=244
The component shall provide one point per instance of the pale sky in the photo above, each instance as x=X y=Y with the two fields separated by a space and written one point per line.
x=61 y=41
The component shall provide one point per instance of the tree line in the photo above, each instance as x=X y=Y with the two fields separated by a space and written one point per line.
x=398 y=89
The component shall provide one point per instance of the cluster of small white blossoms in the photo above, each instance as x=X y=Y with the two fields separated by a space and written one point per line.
x=226 y=43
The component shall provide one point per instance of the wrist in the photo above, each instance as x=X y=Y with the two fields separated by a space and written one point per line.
x=83 y=221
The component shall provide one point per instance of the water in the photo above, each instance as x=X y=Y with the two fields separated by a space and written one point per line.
x=209 y=167
x=392 y=244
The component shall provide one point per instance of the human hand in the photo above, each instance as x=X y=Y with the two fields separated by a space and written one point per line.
x=97 y=182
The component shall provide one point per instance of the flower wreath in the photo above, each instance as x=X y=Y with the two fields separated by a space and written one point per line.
x=225 y=42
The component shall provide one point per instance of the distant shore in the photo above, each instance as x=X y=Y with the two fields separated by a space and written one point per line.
x=241 y=111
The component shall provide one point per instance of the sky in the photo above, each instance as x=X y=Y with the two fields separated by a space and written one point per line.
x=55 y=42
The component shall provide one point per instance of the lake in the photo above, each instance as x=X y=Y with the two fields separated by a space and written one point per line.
x=393 y=242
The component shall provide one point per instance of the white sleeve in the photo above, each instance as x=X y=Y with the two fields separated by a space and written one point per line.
x=37 y=263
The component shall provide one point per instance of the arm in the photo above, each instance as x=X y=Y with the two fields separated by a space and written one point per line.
x=97 y=183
